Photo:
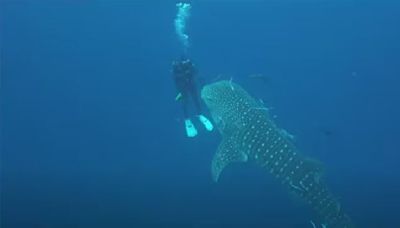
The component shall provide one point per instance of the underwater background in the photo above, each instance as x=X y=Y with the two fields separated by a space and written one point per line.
x=91 y=135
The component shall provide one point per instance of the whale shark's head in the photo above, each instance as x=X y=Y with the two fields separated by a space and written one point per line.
x=220 y=100
x=218 y=96
x=227 y=103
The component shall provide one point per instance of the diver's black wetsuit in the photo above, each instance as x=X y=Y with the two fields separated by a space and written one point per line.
x=184 y=72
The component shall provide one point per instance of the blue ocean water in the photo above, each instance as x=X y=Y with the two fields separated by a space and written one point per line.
x=91 y=135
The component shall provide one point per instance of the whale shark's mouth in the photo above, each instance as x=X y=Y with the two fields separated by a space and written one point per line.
x=208 y=95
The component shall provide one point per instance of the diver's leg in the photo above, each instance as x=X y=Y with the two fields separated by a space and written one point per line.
x=196 y=99
x=185 y=106
x=191 y=131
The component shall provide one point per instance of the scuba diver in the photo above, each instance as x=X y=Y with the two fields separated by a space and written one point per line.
x=184 y=76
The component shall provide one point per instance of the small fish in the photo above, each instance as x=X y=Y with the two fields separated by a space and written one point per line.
x=178 y=97
x=259 y=76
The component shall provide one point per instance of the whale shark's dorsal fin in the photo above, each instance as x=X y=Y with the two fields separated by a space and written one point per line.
x=228 y=151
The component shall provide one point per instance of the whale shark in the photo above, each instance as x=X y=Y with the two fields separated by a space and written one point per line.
x=249 y=134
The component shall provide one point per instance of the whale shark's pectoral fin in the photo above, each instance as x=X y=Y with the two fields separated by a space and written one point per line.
x=227 y=152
